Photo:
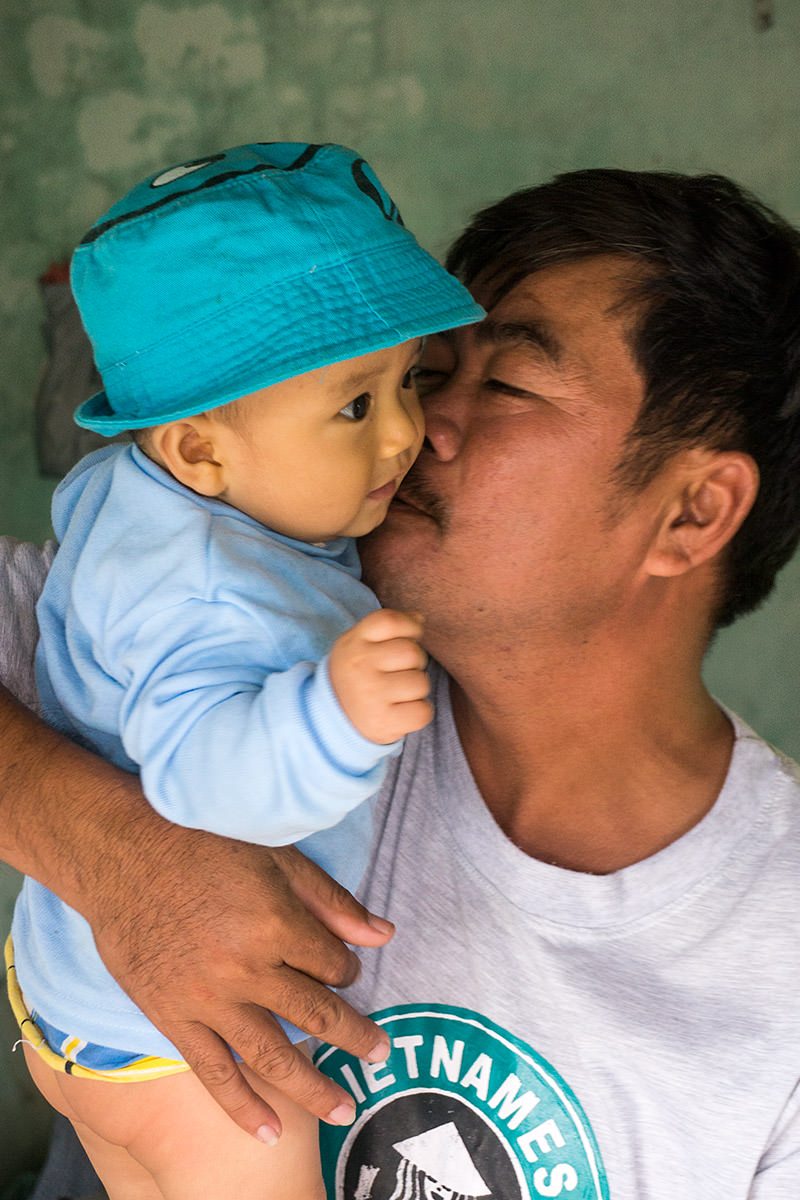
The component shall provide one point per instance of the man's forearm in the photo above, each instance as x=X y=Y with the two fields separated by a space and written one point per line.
x=49 y=788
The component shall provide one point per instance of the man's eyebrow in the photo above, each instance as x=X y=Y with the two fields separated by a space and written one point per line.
x=532 y=333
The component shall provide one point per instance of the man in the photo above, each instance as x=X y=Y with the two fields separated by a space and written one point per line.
x=593 y=869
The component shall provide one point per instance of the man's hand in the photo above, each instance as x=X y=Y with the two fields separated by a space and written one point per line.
x=377 y=670
x=206 y=934
x=241 y=930
x=221 y=932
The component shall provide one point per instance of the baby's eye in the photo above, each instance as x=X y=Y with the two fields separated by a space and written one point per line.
x=357 y=409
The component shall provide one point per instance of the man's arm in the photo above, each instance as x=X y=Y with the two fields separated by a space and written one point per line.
x=205 y=934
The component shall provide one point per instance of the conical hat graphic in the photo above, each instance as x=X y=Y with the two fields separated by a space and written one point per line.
x=441 y=1153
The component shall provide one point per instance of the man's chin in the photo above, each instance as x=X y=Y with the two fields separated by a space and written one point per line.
x=373 y=552
x=387 y=557
x=394 y=552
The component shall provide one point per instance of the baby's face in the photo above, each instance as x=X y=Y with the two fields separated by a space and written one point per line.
x=321 y=455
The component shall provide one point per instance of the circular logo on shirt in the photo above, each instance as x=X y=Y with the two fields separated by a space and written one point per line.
x=462 y=1109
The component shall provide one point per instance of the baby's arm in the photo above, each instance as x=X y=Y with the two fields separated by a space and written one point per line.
x=228 y=743
x=378 y=673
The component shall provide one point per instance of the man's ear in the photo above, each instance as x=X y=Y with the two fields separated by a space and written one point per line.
x=712 y=492
x=189 y=451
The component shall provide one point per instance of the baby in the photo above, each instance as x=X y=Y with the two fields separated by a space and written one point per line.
x=256 y=317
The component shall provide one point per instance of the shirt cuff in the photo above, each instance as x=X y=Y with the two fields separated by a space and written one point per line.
x=339 y=738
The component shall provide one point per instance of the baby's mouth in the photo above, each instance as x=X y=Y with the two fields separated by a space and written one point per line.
x=385 y=492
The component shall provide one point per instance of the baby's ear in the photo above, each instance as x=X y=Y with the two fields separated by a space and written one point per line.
x=187 y=449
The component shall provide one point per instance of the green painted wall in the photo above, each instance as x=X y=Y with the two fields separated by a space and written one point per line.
x=454 y=104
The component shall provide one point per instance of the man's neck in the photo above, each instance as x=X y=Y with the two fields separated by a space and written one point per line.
x=597 y=771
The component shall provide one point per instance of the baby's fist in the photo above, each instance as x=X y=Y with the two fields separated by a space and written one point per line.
x=377 y=670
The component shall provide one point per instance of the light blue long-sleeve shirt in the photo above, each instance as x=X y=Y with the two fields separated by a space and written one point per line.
x=182 y=639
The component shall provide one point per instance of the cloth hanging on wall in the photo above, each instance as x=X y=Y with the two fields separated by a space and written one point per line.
x=68 y=377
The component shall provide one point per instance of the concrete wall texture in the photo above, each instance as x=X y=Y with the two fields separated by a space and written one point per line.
x=454 y=104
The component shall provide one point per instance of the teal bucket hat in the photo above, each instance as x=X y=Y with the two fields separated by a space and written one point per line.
x=221 y=276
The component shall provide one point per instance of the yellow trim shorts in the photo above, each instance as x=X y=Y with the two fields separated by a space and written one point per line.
x=65 y=1059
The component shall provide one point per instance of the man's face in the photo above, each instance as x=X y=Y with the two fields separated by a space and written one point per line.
x=507 y=529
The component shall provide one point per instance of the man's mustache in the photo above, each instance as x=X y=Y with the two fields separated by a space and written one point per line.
x=416 y=491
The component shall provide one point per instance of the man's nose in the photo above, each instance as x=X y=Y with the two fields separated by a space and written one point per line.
x=444 y=423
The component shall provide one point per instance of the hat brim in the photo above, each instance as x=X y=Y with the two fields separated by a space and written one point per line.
x=97 y=414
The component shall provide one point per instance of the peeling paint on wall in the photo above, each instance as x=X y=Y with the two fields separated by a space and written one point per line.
x=190 y=42
x=64 y=54
x=122 y=130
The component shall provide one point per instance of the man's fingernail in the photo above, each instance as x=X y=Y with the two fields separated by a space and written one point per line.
x=379 y=1052
x=267 y=1135
x=343 y=1115
x=380 y=923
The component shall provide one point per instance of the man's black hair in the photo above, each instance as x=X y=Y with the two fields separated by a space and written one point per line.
x=716 y=333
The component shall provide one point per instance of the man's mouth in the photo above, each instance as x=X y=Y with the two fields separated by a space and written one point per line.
x=404 y=499
x=415 y=493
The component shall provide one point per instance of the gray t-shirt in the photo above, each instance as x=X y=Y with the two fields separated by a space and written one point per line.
x=554 y=1033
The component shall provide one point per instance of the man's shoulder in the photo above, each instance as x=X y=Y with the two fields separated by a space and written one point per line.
x=23 y=570
x=762 y=776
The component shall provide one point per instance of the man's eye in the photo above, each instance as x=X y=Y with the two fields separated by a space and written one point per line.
x=428 y=379
x=507 y=389
x=411 y=376
x=357 y=409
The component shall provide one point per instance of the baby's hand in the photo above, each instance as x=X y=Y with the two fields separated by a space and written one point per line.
x=377 y=670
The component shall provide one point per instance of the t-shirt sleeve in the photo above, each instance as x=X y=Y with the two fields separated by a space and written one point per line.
x=23 y=569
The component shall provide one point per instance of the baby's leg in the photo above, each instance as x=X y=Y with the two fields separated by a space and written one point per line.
x=166 y=1139
x=123 y=1177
